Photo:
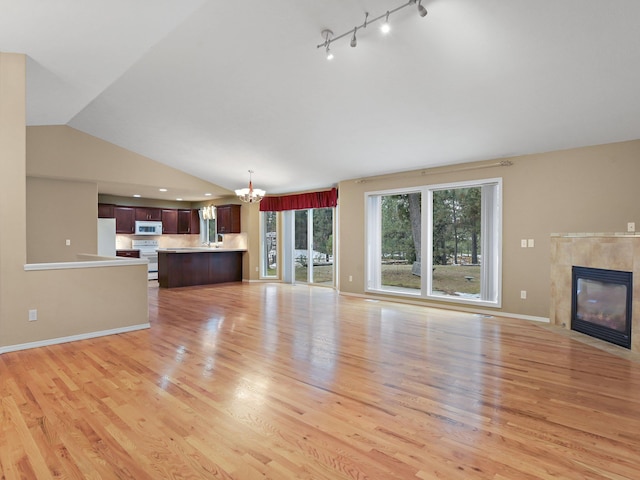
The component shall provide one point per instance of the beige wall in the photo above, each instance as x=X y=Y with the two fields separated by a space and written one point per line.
x=69 y=301
x=13 y=250
x=592 y=189
x=57 y=211
x=250 y=221
x=82 y=301
x=63 y=152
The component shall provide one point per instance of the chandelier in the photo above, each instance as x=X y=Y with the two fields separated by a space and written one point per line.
x=250 y=195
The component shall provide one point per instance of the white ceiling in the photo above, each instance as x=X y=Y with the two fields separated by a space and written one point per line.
x=215 y=88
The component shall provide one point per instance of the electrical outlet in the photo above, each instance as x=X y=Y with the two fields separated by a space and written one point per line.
x=33 y=315
x=631 y=227
x=523 y=294
x=67 y=242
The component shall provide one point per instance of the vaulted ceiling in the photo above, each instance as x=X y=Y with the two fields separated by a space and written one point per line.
x=215 y=88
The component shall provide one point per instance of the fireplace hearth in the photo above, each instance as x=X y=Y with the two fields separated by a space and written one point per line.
x=601 y=304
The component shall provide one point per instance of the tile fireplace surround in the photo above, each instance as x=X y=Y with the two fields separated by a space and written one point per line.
x=612 y=251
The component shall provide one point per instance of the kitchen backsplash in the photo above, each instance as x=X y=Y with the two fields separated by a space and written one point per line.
x=230 y=240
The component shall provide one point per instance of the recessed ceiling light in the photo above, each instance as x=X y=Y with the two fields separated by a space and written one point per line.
x=179 y=199
x=162 y=189
x=207 y=194
x=137 y=196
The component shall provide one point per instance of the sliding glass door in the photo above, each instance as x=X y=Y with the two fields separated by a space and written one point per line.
x=313 y=251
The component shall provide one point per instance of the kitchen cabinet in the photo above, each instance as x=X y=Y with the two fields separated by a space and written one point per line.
x=181 y=268
x=125 y=219
x=228 y=218
x=195 y=222
x=174 y=221
x=146 y=213
x=128 y=253
x=105 y=210
x=169 y=221
x=188 y=222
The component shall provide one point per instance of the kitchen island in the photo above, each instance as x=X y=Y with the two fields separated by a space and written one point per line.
x=182 y=267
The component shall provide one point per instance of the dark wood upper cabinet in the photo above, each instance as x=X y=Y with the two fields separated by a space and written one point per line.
x=195 y=222
x=188 y=221
x=105 y=210
x=125 y=219
x=174 y=221
x=146 y=213
x=169 y=221
x=228 y=218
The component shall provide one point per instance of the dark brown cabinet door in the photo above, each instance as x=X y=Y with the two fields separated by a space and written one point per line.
x=105 y=210
x=169 y=221
x=228 y=218
x=146 y=213
x=184 y=221
x=125 y=219
x=195 y=222
x=188 y=222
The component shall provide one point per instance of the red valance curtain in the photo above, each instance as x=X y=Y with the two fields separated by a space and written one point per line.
x=302 y=201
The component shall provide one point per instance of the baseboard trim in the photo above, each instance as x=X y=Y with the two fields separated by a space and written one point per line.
x=73 y=338
x=455 y=308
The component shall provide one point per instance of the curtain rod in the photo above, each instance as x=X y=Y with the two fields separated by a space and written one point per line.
x=440 y=170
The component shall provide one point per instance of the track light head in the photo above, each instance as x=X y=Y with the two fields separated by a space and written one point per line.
x=329 y=54
x=386 y=28
x=354 y=40
x=327 y=34
x=421 y=10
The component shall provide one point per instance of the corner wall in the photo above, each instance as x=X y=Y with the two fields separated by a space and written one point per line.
x=13 y=251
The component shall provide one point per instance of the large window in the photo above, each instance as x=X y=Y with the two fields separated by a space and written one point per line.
x=437 y=241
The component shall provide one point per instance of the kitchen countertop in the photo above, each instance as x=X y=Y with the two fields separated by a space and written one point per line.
x=200 y=249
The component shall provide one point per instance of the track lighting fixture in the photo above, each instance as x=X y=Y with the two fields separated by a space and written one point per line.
x=385 y=27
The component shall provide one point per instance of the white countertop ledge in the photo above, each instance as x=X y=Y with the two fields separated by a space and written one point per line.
x=92 y=261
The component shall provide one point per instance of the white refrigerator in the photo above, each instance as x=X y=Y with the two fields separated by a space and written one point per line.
x=107 y=237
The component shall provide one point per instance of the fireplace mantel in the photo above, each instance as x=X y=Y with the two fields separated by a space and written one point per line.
x=612 y=251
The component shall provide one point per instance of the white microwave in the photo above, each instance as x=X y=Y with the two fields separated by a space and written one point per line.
x=146 y=227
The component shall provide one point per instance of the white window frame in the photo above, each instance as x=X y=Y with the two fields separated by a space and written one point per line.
x=263 y=260
x=491 y=243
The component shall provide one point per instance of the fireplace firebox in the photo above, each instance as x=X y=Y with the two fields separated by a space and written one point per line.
x=601 y=304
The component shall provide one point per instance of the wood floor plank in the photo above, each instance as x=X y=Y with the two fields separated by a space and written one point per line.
x=268 y=381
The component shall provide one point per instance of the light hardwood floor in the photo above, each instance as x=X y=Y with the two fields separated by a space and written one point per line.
x=248 y=381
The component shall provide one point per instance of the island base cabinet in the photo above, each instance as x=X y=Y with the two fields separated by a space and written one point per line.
x=198 y=268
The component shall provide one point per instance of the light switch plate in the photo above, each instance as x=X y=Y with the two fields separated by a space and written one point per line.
x=530 y=243
x=523 y=243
